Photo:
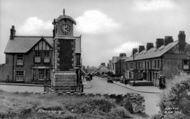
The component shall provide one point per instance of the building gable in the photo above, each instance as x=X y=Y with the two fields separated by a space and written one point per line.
x=23 y=44
x=42 y=45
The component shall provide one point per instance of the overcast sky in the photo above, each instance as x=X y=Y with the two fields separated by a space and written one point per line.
x=108 y=27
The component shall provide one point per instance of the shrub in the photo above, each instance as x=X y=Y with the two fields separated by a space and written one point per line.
x=176 y=115
x=157 y=116
x=177 y=97
x=134 y=103
x=91 y=106
x=69 y=116
x=119 y=113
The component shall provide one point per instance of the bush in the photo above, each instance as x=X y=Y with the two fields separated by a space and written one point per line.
x=91 y=106
x=157 y=116
x=176 y=97
x=134 y=103
x=119 y=113
x=69 y=116
x=175 y=116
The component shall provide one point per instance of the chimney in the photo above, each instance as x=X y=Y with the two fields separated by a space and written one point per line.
x=134 y=51
x=141 y=48
x=12 y=32
x=149 y=46
x=168 y=39
x=181 y=40
x=122 y=55
x=159 y=42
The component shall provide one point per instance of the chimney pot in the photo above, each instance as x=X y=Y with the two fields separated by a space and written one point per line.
x=159 y=42
x=168 y=39
x=134 y=51
x=12 y=32
x=122 y=55
x=149 y=46
x=141 y=48
x=181 y=40
x=181 y=36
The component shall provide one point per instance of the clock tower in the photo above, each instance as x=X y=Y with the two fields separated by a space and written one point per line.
x=67 y=56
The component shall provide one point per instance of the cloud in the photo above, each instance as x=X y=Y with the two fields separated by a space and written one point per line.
x=127 y=47
x=95 y=22
x=154 y=5
x=35 y=26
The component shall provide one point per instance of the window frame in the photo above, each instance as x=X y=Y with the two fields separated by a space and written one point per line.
x=20 y=57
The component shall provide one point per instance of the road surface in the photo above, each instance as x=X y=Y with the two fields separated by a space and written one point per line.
x=99 y=85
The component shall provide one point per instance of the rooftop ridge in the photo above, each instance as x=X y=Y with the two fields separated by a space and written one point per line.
x=153 y=51
x=34 y=36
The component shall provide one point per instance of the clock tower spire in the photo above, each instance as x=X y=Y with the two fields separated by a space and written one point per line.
x=63 y=11
x=63 y=25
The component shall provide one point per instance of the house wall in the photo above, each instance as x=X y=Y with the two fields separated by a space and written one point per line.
x=8 y=70
x=168 y=65
x=173 y=65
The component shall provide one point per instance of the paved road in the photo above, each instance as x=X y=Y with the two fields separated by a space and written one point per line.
x=101 y=86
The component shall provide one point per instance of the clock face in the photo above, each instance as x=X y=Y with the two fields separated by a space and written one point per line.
x=66 y=28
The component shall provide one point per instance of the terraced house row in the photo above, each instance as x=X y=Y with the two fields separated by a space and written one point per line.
x=166 y=58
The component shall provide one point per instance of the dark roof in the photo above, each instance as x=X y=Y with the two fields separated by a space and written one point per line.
x=65 y=17
x=22 y=44
x=153 y=52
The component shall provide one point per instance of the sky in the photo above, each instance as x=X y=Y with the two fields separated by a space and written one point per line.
x=108 y=27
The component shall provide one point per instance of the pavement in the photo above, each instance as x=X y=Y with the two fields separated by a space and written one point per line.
x=141 y=89
x=21 y=84
x=87 y=84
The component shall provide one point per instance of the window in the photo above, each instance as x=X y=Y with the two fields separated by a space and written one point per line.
x=37 y=59
x=20 y=60
x=158 y=63
x=19 y=76
x=185 y=64
x=19 y=73
x=46 y=56
x=20 y=57
x=154 y=63
x=46 y=60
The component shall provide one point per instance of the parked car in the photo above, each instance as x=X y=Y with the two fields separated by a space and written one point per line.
x=116 y=78
x=109 y=80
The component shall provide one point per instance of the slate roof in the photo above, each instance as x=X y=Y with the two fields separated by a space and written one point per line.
x=102 y=69
x=153 y=52
x=22 y=44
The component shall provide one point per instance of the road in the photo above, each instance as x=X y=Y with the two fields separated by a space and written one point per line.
x=100 y=86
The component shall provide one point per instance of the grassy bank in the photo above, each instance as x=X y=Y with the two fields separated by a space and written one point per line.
x=54 y=106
